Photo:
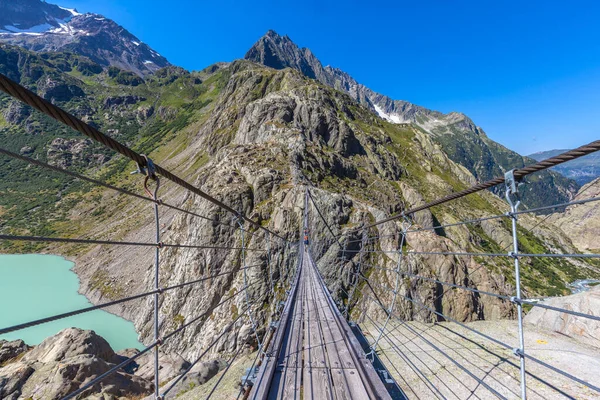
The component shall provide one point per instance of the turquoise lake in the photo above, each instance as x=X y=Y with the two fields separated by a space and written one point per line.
x=34 y=286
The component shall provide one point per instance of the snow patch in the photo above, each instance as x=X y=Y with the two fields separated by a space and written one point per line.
x=34 y=30
x=71 y=10
x=148 y=62
x=99 y=19
x=136 y=43
x=388 y=117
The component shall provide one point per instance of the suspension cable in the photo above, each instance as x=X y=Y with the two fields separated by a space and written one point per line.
x=518 y=174
x=500 y=343
x=119 y=243
x=110 y=303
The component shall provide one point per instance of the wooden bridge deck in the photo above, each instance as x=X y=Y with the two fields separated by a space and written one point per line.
x=316 y=355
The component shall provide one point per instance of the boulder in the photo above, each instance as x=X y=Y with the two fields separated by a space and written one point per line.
x=584 y=329
x=69 y=343
x=170 y=364
x=199 y=375
x=12 y=349
x=64 y=363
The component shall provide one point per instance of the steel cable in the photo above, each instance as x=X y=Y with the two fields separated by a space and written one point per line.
x=119 y=243
x=111 y=303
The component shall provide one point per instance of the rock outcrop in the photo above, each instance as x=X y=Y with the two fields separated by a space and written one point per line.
x=12 y=349
x=581 y=222
x=65 y=362
x=584 y=329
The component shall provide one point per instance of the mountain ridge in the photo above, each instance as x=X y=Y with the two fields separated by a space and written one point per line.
x=44 y=27
x=583 y=170
x=463 y=141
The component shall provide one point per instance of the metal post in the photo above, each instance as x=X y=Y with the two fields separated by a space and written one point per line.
x=512 y=197
x=151 y=174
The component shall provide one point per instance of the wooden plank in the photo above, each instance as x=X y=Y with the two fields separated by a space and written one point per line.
x=314 y=350
x=317 y=384
x=286 y=384
x=370 y=380
x=337 y=349
x=292 y=352
x=347 y=384
x=267 y=370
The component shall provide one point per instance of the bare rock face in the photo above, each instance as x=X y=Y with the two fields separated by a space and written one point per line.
x=66 y=152
x=63 y=363
x=580 y=221
x=583 y=329
x=12 y=349
x=170 y=365
x=16 y=112
x=198 y=375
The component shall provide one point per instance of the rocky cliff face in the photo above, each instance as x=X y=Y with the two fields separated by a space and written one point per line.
x=42 y=27
x=62 y=364
x=583 y=329
x=580 y=221
x=461 y=139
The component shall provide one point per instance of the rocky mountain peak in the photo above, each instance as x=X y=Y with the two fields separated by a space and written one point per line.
x=40 y=26
x=276 y=51
x=461 y=138
x=32 y=16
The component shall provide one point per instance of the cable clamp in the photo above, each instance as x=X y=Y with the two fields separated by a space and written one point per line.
x=516 y=300
x=519 y=352
x=238 y=218
x=160 y=245
x=512 y=254
x=149 y=169
x=159 y=341
x=159 y=290
x=512 y=189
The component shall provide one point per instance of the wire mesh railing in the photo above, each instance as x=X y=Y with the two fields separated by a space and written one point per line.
x=396 y=282
x=238 y=231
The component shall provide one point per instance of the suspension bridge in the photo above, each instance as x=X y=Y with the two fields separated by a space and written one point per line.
x=312 y=346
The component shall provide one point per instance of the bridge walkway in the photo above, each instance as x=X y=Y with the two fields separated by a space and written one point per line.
x=318 y=356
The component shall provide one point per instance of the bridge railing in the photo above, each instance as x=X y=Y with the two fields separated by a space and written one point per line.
x=241 y=229
x=358 y=247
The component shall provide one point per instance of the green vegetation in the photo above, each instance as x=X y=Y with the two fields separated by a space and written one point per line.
x=102 y=282
x=39 y=202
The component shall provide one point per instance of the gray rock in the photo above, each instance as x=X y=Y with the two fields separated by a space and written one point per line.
x=16 y=112
x=67 y=152
x=65 y=362
x=10 y=350
x=71 y=342
x=584 y=329
x=198 y=375
x=171 y=364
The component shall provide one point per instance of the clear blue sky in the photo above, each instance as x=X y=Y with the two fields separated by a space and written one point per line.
x=527 y=72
